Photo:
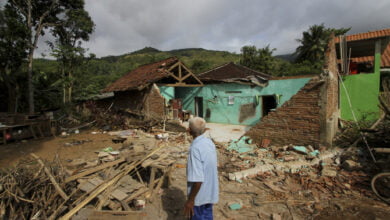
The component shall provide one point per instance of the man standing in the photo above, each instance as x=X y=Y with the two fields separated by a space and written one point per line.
x=202 y=173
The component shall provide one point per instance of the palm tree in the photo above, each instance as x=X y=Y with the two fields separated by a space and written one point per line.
x=314 y=43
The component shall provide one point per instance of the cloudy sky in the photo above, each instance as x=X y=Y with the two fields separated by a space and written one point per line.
x=123 y=26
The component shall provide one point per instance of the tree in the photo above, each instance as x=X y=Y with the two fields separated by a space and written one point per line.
x=258 y=59
x=13 y=45
x=76 y=28
x=314 y=42
x=37 y=16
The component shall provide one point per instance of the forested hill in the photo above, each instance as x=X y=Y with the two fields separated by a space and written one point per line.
x=96 y=73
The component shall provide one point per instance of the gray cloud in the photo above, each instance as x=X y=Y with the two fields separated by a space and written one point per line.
x=126 y=25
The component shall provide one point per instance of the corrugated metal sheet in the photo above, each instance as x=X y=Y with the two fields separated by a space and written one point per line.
x=142 y=76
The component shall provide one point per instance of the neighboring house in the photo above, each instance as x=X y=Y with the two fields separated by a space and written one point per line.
x=362 y=57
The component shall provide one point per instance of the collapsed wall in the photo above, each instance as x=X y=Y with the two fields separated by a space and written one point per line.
x=296 y=122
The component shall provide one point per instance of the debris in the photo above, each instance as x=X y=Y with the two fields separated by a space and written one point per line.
x=300 y=149
x=276 y=216
x=243 y=145
x=235 y=206
x=139 y=204
x=328 y=171
x=118 y=140
x=107 y=149
x=163 y=136
x=250 y=172
x=350 y=165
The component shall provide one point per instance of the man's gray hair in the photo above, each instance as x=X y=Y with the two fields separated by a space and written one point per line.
x=197 y=125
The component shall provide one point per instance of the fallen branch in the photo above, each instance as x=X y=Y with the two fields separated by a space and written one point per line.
x=53 y=181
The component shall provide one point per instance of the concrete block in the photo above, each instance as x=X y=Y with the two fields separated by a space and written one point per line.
x=249 y=172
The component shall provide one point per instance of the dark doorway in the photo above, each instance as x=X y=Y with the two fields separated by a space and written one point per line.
x=199 y=106
x=268 y=104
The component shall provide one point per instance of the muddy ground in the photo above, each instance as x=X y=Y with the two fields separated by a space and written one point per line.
x=258 y=201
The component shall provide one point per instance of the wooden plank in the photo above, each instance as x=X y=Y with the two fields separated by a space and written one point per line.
x=180 y=73
x=104 y=186
x=382 y=150
x=173 y=75
x=182 y=85
x=95 y=169
x=53 y=181
x=173 y=67
x=135 y=195
x=152 y=176
x=196 y=78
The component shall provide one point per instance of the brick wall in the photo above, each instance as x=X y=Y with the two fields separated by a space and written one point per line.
x=147 y=102
x=155 y=103
x=296 y=122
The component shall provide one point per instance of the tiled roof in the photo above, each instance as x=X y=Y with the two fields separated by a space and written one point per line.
x=230 y=71
x=385 y=59
x=366 y=35
x=142 y=76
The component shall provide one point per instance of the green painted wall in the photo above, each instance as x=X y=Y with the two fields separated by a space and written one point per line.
x=363 y=90
x=215 y=98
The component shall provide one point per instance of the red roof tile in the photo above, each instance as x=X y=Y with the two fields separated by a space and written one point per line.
x=142 y=76
x=366 y=35
x=230 y=71
x=385 y=59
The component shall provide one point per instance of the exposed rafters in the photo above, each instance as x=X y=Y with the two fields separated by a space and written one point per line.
x=182 y=75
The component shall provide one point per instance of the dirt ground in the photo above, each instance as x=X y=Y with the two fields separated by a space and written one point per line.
x=258 y=201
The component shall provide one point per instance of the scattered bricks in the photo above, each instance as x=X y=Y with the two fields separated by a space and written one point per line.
x=350 y=165
x=328 y=171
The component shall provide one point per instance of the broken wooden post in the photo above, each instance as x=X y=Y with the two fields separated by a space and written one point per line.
x=53 y=181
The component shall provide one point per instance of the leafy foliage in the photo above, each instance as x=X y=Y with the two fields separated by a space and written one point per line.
x=258 y=59
x=314 y=42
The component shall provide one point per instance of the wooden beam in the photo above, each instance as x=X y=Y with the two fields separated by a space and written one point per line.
x=52 y=179
x=180 y=65
x=182 y=85
x=200 y=82
x=104 y=186
x=173 y=67
x=95 y=169
x=186 y=76
x=173 y=75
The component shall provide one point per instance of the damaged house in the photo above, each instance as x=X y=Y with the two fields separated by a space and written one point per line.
x=138 y=92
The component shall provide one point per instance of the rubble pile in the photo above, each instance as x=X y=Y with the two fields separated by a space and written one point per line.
x=121 y=180
x=324 y=172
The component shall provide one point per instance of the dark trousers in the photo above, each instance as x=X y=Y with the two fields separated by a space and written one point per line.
x=203 y=212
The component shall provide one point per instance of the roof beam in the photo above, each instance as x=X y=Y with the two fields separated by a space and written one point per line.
x=191 y=73
x=180 y=85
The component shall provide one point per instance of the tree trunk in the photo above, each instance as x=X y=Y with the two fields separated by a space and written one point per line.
x=31 y=107
x=12 y=98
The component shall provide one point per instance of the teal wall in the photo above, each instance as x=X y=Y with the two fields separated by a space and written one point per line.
x=167 y=92
x=215 y=98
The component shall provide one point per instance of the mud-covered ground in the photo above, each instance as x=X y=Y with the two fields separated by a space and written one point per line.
x=257 y=200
